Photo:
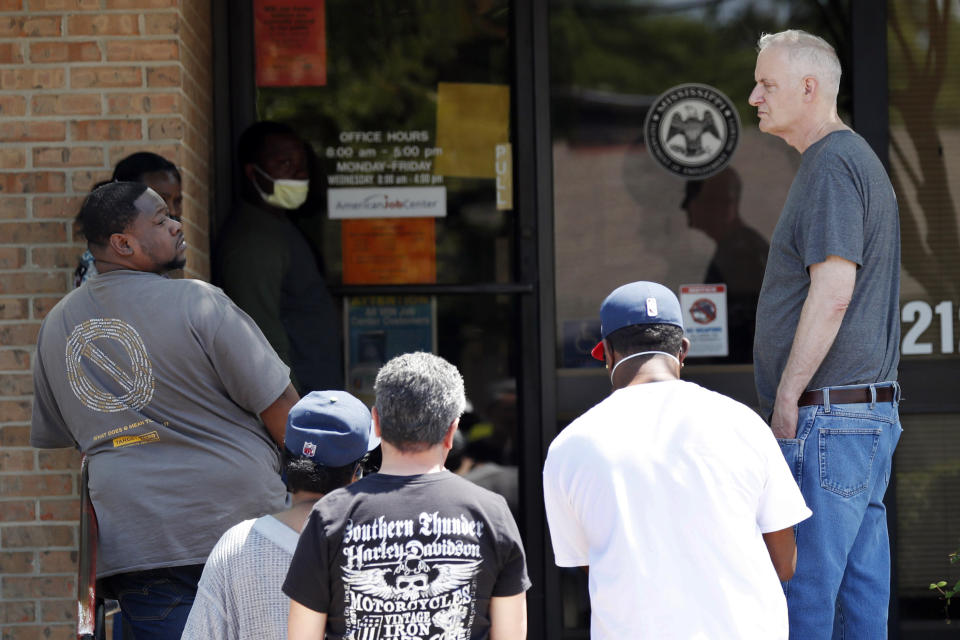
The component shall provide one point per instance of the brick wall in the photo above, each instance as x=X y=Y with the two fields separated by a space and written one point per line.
x=82 y=84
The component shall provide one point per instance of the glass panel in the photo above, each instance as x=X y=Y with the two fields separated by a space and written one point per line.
x=924 y=81
x=620 y=216
x=415 y=104
x=927 y=482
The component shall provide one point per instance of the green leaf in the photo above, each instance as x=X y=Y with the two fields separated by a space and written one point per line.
x=942 y=583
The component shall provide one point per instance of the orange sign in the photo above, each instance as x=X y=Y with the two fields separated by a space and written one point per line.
x=291 y=43
x=389 y=251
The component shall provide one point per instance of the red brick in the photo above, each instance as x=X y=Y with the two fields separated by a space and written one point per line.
x=62 y=257
x=64 y=5
x=21 y=334
x=47 y=632
x=169 y=151
x=141 y=4
x=33 y=182
x=15 y=561
x=60 y=509
x=57 y=206
x=11 y=53
x=84 y=180
x=64 y=52
x=32 y=131
x=137 y=103
x=42 y=305
x=142 y=50
x=14 y=360
x=165 y=128
x=11 y=106
x=13 y=208
x=58 y=562
x=105 y=77
x=106 y=130
x=58 y=460
x=58 y=610
x=11 y=5
x=67 y=156
x=157 y=24
x=32 y=282
x=45 y=484
x=15 y=384
x=167 y=76
x=15 y=411
x=11 y=612
x=37 y=587
x=22 y=78
x=15 y=459
x=37 y=536
x=29 y=233
x=28 y=26
x=14 y=309
x=17 y=511
x=12 y=257
x=12 y=158
x=110 y=24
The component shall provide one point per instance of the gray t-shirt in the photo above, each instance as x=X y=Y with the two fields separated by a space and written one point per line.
x=393 y=557
x=841 y=203
x=160 y=383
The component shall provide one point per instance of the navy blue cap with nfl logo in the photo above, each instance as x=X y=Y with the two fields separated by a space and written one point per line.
x=331 y=428
x=637 y=303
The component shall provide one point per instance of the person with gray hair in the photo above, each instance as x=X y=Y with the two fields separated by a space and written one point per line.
x=827 y=341
x=413 y=550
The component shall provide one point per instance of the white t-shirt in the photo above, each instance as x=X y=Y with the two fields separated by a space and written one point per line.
x=239 y=595
x=664 y=490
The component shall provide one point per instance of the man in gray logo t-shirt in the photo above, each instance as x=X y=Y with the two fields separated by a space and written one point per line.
x=159 y=382
x=826 y=345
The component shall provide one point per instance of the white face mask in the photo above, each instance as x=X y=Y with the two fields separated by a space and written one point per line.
x=637 y=355
x=287 y=194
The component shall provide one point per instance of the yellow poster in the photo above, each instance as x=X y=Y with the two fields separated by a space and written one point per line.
x=472 y=119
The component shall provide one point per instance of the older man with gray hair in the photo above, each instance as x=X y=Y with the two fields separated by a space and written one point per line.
x=827 y=341
x=414 y=550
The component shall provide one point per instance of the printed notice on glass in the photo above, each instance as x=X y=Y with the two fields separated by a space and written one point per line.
x=705 y=318
x=387 y=202
x=381 y=327
x=291 y=43
x=389 y=251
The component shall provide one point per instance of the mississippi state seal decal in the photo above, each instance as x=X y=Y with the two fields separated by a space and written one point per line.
x=692 y=130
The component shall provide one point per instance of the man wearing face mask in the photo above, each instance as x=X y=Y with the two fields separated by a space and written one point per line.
x=266 y=265
x=665 y=481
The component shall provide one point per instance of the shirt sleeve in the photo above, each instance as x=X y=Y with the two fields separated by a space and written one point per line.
x=513 y=578
x=836 y=229
x=570 y=546
x=781 y=503
x=48 y=430
x=247 y=365
x=207 y=618
x=308 y=579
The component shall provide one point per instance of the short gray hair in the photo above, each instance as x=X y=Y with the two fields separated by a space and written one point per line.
x=812 y=55
x=419 y=395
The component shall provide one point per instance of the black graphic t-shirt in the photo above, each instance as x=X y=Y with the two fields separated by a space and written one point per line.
x=392 y=557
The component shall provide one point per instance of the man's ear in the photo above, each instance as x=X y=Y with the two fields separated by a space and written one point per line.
x=810 y=87
x=684 y=348
x=122 y=244
x=249 y=171
x=376 y=423
x=448 y=437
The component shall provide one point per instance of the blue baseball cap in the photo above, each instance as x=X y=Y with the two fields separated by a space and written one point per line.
x=637 y=303
x=331 y=428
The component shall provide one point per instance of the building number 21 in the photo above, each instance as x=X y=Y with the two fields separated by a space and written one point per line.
x=920 y=314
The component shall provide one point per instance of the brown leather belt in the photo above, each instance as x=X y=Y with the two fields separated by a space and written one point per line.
x=846 y=396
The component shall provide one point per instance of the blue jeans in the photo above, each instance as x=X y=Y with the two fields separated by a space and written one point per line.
x=154 y=603
x=841 y=460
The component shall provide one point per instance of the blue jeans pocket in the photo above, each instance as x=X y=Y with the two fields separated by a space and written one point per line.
x=152 y=601
x=846 y=457
x=790 y=448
